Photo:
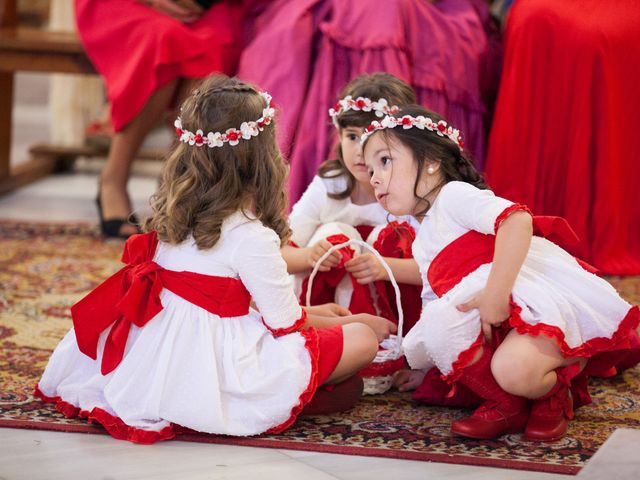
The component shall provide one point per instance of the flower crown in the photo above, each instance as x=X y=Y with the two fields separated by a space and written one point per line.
x=381 y=107
x=421 y=122
x=232 y=136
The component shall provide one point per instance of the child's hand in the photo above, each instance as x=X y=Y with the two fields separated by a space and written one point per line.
x=381 y=326
x=328 y=310
x=366 y=268
x=494 y=309
x=405 y=380
x=318 y=250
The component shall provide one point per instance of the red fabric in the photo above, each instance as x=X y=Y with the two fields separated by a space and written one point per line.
x=132 y=296
x=114 y=425
x=330 y=346
x=508 y=211
x=469 y=251
x=312 y=344
x=473 y=249
x=325 y=349
x=564 y=138
x=395 y=241
x=139 y=50
x=435 y=391
x=297 y=325
x=325 y=283
x=382 y=369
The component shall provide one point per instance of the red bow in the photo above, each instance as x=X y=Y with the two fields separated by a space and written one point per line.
x=132 y=296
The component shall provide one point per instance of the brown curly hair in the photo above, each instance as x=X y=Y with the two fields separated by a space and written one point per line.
x=427 y=146
x=374 y=86
x=202 y=186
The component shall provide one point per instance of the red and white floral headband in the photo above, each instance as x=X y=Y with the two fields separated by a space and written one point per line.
x=421 y=122
x=381 y=107
x=232 y=136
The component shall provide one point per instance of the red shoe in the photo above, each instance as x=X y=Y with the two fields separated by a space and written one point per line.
x=491 y=421
x=335 y=398
x=550 y=414
x=501 y=412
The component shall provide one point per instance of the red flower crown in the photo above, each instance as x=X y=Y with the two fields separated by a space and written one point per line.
x=232 y=136
x=421 y=122
x=381 y=107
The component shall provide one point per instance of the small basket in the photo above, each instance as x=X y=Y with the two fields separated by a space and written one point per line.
x=378 y=376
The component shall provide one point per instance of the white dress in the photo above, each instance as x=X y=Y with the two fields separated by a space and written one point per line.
x=317 y=216
x=551 y=287
x=192 y=368
x=316 y=209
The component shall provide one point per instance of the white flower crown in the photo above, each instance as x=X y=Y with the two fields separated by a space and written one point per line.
x=381 y=107
x=232 y=136
x=421 y=122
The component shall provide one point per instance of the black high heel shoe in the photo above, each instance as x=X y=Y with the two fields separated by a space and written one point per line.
x=111 y=228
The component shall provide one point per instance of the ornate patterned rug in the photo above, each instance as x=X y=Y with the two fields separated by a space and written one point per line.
x=45 y=268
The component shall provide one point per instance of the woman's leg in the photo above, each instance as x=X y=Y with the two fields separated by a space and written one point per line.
x=115 y=174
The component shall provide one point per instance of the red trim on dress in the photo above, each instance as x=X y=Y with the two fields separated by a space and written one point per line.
x=297 y=325
x=516 y=207
x=620 y=340
x=112 y=424
x=311 y=344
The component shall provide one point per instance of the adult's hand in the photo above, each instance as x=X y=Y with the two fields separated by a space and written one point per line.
x=185 y=11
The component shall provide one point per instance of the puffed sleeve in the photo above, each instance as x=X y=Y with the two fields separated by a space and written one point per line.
x=475 y=209
x=263 y=272
x=305 y=217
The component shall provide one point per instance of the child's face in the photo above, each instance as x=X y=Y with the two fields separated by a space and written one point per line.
x=352 y=153
x=393 y=173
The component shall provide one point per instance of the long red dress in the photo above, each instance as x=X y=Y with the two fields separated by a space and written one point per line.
x=565 y=135
x=138 y=50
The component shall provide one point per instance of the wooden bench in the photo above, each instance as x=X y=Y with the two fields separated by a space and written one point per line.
x=33 y=50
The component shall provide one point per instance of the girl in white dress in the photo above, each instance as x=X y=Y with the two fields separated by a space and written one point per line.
x=171 y=340
x=507 y=312
x=339 y=204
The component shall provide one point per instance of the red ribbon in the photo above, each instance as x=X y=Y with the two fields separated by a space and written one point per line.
x=465 y=254
x=132 y=297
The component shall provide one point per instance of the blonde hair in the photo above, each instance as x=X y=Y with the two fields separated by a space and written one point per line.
x=202 y=186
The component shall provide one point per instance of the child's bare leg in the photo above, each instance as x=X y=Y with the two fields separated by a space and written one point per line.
x=360 y=345
x=533 y=367
x=124 y=146
x=525 y=365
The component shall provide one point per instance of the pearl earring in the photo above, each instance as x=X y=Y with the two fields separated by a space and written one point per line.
x=430 y=170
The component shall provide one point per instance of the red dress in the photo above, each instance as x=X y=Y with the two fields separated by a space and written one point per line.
x=137 y=49
x=565 y=134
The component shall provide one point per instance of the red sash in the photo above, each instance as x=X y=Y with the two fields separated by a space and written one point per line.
x=132 y=296
x=473 y=249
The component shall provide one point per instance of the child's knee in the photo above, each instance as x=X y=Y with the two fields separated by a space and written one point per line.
x=363 y=341
x=514 y=373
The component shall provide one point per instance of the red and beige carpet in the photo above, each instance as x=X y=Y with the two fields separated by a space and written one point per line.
x=45 y=268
